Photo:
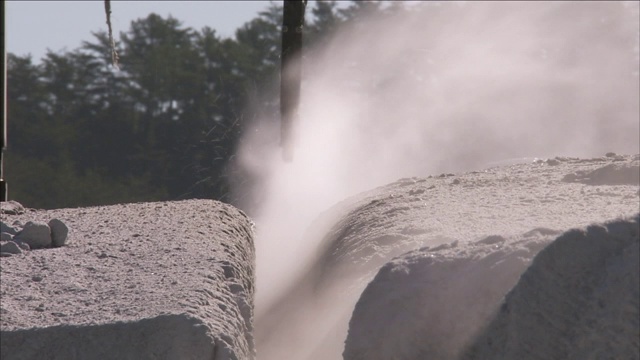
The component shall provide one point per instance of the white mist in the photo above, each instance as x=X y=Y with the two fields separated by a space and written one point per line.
x=443 y=88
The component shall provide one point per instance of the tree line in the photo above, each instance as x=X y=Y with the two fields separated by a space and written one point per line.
x=165 y=126
x=168 y=123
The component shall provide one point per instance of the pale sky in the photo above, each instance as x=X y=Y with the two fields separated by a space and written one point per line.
x=32 y=27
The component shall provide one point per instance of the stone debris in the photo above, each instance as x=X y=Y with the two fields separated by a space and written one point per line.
x=23 y=246
x=10 y=247
x=4 y=228
x=59 y=232
x=36 y=234
x=33 y=235
x=11 y=208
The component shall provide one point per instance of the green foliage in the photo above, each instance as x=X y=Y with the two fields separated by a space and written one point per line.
x=326 y=18
x=166 y=126
x=43 y=184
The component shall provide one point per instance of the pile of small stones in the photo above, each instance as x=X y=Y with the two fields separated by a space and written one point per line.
x=17 y=238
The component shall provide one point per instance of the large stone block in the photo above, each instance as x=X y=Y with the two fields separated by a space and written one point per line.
x=429 y=303
x=573 y=296
x=171 y=280
x=579 y=299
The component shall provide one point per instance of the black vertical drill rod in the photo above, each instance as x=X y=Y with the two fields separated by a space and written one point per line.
x=290 y=72
x=3 y=184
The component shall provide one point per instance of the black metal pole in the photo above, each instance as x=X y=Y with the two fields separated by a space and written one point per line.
x=290 y=72
x=4 y=194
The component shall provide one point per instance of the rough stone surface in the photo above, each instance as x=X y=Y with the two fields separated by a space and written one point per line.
x=580 y=299
x=368 y=230
x=172 y=280
x=59 y=232
x=429 y=303
x=35 y=233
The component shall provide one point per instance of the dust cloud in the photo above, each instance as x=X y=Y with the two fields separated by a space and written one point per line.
x=442 y=87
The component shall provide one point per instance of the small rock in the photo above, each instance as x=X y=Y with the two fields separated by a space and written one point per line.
x=36 y=234
x=59 y=232
x=10 y=247
x=553 y=162
x=4 y=236
x=7 y=229
x=24 y=246
x=456 y=181
x=36 y=278
x=610 y=154
x=11 y=208
x=492 y=239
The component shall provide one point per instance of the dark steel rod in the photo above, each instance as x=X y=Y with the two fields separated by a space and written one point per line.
x=290 y=72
